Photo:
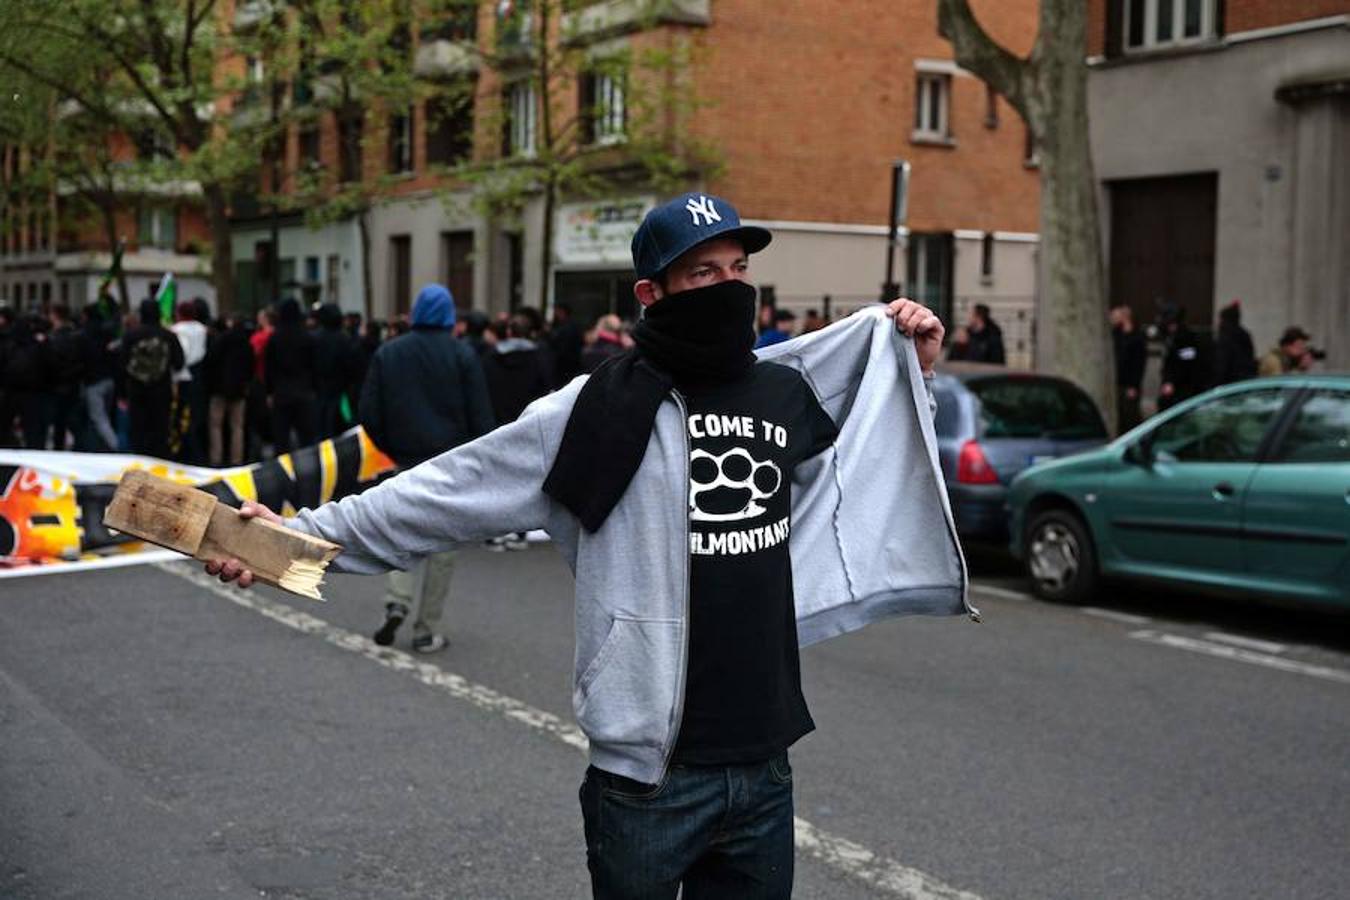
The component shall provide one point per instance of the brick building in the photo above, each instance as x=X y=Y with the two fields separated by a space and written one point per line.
x=1221 y=137
x=809 y=104
x=54 y=245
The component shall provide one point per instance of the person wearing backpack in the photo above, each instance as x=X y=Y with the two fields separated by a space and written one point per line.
x=150 y=355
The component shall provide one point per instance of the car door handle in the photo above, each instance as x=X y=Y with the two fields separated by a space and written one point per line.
x=1223 y=491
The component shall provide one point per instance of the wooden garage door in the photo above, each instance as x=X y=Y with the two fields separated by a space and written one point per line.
x=1162 y=245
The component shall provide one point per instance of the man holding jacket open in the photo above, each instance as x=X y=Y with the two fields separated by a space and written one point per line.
x=718 y=510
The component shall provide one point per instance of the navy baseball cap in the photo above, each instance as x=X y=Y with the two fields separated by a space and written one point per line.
x=674 y=227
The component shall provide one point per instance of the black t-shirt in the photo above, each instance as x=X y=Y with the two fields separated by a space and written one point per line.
x=743 y=698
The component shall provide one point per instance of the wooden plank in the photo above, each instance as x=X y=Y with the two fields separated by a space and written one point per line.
x=280 y=556
x=194 y=522
x=161 y=511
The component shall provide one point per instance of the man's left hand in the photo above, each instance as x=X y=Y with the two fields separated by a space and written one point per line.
x=920 y=323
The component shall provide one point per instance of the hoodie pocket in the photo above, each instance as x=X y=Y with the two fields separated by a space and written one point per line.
x=627 y=693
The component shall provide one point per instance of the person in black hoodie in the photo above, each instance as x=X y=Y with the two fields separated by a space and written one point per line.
x=28 y=377
x=336 y=365
x=1186 y=366
x=151 y=354
x=289 y=376
x=424 y=394
x=100 y=370
x=1234 y=352
x=67 y=357
x=228 y=370
x=518 y=372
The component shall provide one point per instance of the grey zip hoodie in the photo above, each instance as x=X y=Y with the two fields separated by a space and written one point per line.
x=872 y=533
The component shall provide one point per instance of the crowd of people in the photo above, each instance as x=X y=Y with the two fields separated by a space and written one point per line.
x=1193 y=361
x=224 y=391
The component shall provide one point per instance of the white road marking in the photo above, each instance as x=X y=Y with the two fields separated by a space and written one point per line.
x=1238 y=640
x=840 y=853
x=115 y=561
x=1115 y=616
x=1238 y=654
x=995 y=591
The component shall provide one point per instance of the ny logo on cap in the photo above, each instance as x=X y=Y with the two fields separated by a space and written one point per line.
x=703 y=207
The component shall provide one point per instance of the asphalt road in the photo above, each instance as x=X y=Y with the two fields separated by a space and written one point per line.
x=164 y=737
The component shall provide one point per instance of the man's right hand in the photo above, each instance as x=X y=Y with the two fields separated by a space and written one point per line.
x=231 y=569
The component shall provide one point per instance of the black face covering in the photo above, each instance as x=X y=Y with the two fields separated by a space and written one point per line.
x=697 y=337
x=701 y=336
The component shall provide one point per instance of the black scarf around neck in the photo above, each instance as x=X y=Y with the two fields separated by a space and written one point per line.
x=692 y=338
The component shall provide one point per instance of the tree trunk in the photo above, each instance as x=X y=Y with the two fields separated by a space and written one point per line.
x=222 y=254
x=546 y=242
x=367 y=284
x=1049 y=89
x=1074 y=338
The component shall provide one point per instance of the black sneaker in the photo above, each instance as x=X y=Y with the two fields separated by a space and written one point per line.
x=393 y=618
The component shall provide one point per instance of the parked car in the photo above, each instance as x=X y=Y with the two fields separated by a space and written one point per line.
x=992 y=423
x=1243 y=489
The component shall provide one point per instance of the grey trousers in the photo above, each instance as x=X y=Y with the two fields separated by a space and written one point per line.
x=422 y=590
x=97 y=398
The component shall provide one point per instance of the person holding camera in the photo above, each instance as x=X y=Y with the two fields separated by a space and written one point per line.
x=1292 y=355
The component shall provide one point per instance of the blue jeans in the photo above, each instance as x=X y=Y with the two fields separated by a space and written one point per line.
x=721 y=831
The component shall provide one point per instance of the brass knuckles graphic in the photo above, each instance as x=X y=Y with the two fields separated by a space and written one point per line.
x=734 y=470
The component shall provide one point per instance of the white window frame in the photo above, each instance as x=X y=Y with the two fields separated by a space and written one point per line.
x=925 y=129
x=404 y=141
x=1178 y=39
x=524 y=112
x=163 y=221
x=608 y=122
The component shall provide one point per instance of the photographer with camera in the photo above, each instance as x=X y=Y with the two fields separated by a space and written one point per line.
x=1293 y=354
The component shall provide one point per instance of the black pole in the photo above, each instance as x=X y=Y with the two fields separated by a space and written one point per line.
x=274 y=258
x=899 y=189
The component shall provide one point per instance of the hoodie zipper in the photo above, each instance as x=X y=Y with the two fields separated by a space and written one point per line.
x=684 y=631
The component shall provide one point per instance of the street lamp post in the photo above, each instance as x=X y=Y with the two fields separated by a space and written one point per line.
x=890 y=289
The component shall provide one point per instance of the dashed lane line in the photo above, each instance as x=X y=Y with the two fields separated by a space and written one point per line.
x=1247 y=643
x=1114 y=615
x=847 y=857
x=1239 y=654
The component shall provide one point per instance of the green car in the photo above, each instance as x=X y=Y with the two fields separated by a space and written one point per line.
x=1244 y=489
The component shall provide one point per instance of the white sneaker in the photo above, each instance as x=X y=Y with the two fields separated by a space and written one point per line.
x=429 y=643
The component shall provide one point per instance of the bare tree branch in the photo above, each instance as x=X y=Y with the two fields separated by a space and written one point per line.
x=980 y=54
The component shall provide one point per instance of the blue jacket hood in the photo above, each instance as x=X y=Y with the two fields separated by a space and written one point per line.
x=434 y=308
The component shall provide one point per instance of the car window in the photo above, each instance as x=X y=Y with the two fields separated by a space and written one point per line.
x=948 y=417
x=1321 y=432
x=1226 y=429
x=1036 y=408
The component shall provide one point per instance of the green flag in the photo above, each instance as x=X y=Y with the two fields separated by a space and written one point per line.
x=167 y=297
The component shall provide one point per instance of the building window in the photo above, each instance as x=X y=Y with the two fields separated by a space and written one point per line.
x=990 y=107
x=521 y=120
x=400 y=271
x=310 y=143
x=158 y=227
x=401 y=142
x=331 y=272
x=449 y=127
x=458 y=23
x=604 y=117
x=1153 y=24
x=351 y=125
x=931 y=98
x=987 y=258
x=457 y=266
x=1031 y=157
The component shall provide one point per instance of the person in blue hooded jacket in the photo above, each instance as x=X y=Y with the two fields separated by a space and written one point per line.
x=424 y=394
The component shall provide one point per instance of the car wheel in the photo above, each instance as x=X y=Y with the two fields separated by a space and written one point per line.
x=1060 y=557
